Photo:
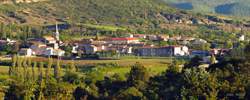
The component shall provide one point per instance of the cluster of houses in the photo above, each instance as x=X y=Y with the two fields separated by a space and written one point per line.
x=131 y=45
x=46 y=46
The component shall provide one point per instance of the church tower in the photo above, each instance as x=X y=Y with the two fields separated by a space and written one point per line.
x=57 y=34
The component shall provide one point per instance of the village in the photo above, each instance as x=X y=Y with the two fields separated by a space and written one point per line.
x=124 y=49
x=114 y=47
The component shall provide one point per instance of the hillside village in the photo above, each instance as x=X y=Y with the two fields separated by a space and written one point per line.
x=115 y=47
x=122 y=50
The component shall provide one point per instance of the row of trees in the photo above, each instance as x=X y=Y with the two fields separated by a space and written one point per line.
x=32 y=80
x=15 y=31
x=226 y=80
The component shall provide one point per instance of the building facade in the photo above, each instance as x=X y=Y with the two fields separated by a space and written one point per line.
x=163 y=51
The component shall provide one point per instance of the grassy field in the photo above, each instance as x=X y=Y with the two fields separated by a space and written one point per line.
x=4 y=70
x=107 y=68
x=104 y=27
x=101 y=68
x=147 y=62
x=99 y=71
x=122 y=70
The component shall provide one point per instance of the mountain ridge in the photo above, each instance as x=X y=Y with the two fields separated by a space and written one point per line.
x=239 y=8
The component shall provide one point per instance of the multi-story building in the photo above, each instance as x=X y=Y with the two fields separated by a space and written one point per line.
x=163 y=51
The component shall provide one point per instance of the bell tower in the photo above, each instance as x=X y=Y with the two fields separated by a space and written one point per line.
x=57 y=34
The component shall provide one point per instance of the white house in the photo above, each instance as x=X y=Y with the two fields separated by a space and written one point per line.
x=180 y=50
x=59 y=52
x=163 y=51
x=9 y=41
x=75 y=49
x=242 y=38
x=53 y=52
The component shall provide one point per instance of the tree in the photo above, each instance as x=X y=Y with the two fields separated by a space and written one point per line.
x=97 y=36
x=18 y=71
x=130 y=93
x=194 y=62
x=137 y=74
x=205 y=46
x=168 y=85
x=20 y=91
x=212 y=59
x=48 y=70
x=40 y=72
x=81 y=93
x=228 y=44
x=247 y=51
x=14 y=64
x=199 y=84
x=72 y=67
x=33 y=70
x=57 y=71
x=71 y=77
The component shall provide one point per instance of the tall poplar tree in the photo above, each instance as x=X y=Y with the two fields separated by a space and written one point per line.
x=57 y=71
x=48 y=70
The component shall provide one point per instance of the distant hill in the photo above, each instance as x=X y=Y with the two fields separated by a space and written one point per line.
x=86 y=11
x=227 y=7
x=139 y=15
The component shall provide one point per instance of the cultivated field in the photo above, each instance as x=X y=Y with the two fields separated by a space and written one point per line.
x=125 y=62
x=110 y=67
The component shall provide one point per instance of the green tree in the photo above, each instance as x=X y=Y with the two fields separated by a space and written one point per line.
x=57 y=71
x=48 y=70
x=228 y=44
x=72 y=67
x=212 y=59
x=194 y=62
x=40 y=72
x=199 y=84
x=137 y=75
x=247 y=51
x=33 y=70
x=13 y=66
x=130 y=93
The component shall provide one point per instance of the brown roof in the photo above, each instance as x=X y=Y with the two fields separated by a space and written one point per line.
x=50 y=38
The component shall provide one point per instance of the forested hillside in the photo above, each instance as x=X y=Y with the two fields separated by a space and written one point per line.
x=92 y=11
x=228 y=7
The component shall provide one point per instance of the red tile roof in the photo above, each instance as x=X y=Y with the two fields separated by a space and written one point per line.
x=123 y=39
x=174 y=46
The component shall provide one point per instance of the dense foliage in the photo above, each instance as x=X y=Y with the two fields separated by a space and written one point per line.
x=228 y=79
